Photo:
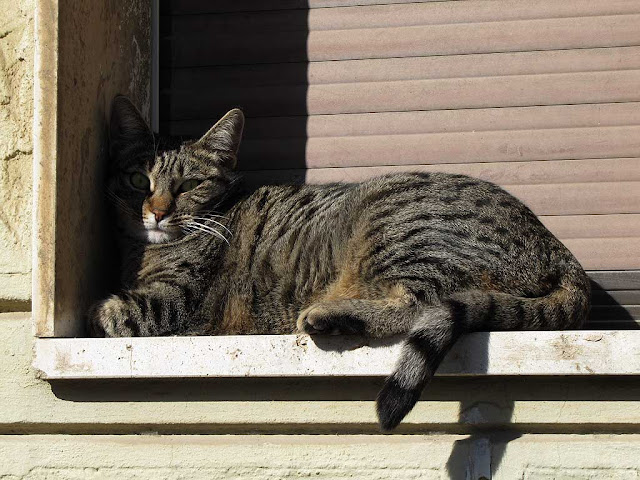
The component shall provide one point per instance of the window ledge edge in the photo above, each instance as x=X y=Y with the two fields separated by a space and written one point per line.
x=558 y=353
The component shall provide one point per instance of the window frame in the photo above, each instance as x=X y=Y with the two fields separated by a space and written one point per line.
x=613 y=352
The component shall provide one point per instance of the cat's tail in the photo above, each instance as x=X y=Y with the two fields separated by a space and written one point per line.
x=437 y=329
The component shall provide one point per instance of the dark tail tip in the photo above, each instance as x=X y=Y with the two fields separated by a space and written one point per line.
x=394 y=403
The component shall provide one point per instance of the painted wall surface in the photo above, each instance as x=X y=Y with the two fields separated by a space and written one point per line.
x=16 y=116
x=501 y=428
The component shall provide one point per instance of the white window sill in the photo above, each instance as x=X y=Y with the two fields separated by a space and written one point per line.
x=496 y=353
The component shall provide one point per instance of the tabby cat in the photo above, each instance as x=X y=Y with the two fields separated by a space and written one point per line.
x=428 y=255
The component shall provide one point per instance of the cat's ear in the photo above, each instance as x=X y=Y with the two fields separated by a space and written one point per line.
x=129 y=135
x=225 y=136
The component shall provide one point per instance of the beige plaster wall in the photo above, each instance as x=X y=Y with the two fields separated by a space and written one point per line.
x=16 y=116
x=500 y=428
x=276 y=457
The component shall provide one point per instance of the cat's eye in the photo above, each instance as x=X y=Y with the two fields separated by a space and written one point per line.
x=189 y=185
x=139 y=181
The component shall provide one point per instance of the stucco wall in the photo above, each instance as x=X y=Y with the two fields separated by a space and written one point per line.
x=16 y=116
x=500 y=428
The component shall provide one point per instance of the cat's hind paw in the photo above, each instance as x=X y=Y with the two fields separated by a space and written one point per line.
x=321 y=318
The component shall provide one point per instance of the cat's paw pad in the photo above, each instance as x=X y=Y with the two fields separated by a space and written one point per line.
x=314 y=319
x=319 y=318
x=109 y=318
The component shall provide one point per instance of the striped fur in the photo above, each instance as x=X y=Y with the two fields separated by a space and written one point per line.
x=429 y=255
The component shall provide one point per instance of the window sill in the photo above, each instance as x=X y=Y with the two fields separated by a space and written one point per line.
x=495 y=353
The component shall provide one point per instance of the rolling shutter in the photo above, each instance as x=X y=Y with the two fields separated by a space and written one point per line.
x=539 y=97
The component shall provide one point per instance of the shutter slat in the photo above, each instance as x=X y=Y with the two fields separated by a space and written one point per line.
x=593 y=226
x=600 y=312
x=605 y=253
x=502 y=173
x=580 y=198
x=409 y=68
x=387 y=16
x=440 y=94
x=191 y=7
x=462 y=147
x=612 y=324
x=612 y=280
x=462 y=38
x=434 y=121
x=621 y=297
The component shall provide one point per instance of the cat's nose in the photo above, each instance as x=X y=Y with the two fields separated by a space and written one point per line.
x=159 y=214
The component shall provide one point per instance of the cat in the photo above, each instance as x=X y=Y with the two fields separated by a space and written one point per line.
x=428 y=255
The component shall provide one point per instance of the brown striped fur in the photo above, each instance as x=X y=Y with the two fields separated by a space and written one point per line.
x=428 y=255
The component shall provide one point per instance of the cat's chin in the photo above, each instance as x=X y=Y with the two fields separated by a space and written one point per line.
x=160 y=236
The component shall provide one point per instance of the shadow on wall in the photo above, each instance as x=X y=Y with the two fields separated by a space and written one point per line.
x=485 y=402
x=482 y=452
x=608 y=313
x=218 y=55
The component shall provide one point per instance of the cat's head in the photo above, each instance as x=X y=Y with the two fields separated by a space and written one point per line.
x=161 y=196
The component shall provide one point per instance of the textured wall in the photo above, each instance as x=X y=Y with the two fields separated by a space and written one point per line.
x=323 y=457
x=500 y=428
x=16 y=115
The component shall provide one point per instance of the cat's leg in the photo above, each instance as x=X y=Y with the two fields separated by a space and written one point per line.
x=374 y=318
x=155 y=309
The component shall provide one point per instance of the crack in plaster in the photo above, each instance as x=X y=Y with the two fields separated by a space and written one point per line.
x=15 y=153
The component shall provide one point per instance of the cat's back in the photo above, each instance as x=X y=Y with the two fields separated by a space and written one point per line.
x=273 y=210
x=393 y=202
x=445 y=198
x=438 y=188
x=435 y=188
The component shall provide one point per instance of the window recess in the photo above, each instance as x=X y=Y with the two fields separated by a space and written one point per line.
x=539 y=97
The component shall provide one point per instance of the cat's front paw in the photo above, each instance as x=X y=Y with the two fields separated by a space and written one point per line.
x=322 y=318
x=111 y=318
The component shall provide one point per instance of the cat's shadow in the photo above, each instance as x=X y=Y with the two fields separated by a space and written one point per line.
x=344 y=343
x=476 y=455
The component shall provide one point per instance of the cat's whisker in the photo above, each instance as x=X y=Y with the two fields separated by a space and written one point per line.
x=210 y=230
x=188 y=230
x=213 y=221
x=119 y=201
x=127 y=212
x=208 y=216
x=124 y=210
x=124 y=207
x=172 y=224
x=212 y=214
x=207 y=228
x=179 y=219
x=218 y=234
x=216 y=218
